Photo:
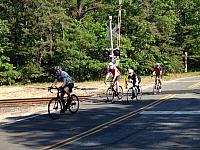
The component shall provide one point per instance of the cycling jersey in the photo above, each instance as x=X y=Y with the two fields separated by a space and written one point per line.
x=65 y=75
x=158 y=71
x=135 y=79
x=112 y=71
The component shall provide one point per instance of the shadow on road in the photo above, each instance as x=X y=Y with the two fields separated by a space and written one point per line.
x=147 y=132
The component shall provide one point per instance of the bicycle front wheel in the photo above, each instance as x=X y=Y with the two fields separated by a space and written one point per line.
x=120 y=93
x=139 y=93
x=74 y=104
x=110 y=94
x=130 y=94
x=154 y=89
x=54 y=108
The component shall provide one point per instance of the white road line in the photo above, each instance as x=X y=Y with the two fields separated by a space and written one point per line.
x=181 y=81
x=170 y=113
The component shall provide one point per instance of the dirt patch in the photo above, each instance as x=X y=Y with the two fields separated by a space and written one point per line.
x=13 y=112
x=41 y=91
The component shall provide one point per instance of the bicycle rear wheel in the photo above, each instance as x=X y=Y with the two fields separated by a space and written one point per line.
x=110 y=94
x=54 y=108
x=74 y=104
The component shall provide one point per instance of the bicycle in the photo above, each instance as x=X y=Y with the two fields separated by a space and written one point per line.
x=111 y=92
x=134 y=93
x=157 y=86
x=56 y=107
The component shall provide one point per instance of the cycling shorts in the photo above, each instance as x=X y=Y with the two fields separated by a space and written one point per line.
x=70 y=86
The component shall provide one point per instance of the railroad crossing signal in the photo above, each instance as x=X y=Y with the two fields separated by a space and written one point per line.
x=109 y=52
x=116 y=52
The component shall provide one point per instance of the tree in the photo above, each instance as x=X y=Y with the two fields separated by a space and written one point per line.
x=7 y=72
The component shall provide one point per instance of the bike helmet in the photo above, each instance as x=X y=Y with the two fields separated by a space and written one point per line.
x=57 y=68
x=110 y=64
x=157 y=64
x=130 y=71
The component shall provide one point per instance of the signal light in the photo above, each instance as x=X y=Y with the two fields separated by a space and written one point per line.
x=116 y=52
x=106 y=53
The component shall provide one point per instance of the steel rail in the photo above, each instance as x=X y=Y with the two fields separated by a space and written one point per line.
x=32 y=100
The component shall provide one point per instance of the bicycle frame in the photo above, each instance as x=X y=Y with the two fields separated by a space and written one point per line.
x=58 y=91
x=113 y=86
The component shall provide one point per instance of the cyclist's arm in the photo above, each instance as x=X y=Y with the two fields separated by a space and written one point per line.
x=154 y=73
x=115 y=75
x=160 y=72
x=64 y=82
x=54 y=83
x=107 y=76
x=136 y=81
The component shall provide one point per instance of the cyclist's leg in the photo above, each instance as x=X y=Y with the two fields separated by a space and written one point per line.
x=160 y=82
x=155 y=82
x=117 y=83
x=133 y=92
x=68 y=90
x=114 y=87
x=138 y=89
x=62 y=97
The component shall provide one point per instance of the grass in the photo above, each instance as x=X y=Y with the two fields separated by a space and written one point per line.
x=84 y=88
x=145 y=80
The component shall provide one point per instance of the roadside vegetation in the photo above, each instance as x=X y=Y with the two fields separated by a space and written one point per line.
x=39 y=90
x=36 y=35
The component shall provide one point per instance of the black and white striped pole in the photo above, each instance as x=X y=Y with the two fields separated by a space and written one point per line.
x=111 y=40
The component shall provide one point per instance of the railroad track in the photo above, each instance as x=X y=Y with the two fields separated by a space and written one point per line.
x=35 y=100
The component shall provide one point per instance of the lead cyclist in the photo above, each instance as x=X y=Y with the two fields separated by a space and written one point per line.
x=67 y=84
x=158 y=74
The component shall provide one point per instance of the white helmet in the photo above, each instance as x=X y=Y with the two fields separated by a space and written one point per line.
x=110 y=64
x=157 y=64
x=130 y=71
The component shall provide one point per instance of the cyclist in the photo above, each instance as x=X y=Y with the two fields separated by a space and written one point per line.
x=134 y=79
x=158 y=73
x=67 y=84
x=114 y=72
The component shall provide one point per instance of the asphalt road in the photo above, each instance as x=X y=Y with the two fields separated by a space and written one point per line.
x=169 y=120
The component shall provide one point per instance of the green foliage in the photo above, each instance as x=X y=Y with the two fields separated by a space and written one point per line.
x=34 y=35
x=7 y=73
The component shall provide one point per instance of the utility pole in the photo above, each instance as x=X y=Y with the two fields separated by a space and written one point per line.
x=186 y=55
x=118 y=29
x=119 y=23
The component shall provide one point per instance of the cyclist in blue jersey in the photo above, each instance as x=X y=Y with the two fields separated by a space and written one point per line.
x=67 y=83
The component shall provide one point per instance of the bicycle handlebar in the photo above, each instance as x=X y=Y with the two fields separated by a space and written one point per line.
x=54 y=88
x=108 y=81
